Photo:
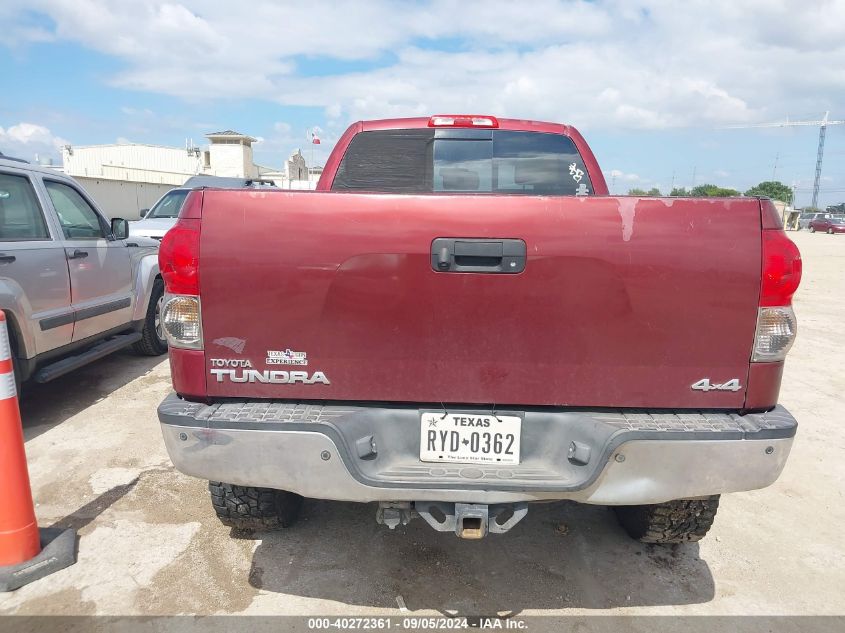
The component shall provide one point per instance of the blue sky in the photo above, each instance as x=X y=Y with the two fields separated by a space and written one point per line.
x=652 y=84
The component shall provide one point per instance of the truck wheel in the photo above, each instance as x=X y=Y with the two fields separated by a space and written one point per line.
x=153 y=342
x=248 y=508
x=679 y=521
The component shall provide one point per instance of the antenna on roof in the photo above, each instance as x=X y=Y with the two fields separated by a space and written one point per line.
x=190 y=149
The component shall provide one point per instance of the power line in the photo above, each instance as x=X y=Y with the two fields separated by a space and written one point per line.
x=822 y=125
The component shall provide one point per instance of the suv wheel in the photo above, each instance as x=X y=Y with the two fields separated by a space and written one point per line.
x=249 y=508
x=680 y=521
x=153 y=342
x=812 y=229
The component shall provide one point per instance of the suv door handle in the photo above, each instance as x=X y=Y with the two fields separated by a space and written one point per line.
x=6 y=259
x=78 y=254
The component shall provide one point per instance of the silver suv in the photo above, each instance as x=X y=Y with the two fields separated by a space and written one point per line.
x=159 y=219
x=73 y=287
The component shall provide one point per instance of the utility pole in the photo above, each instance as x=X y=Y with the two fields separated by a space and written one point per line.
x=820 y=154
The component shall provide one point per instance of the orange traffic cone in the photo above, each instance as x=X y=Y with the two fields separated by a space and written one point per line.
x=22 y=559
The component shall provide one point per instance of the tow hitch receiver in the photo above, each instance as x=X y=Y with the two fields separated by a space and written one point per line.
x=471 y=520
x=467 y=520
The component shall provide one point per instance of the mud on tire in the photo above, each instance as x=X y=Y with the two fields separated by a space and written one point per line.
x=249 y=508
x=680 y=521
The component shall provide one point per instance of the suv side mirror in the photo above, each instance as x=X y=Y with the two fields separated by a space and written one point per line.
x=119 y=228
x=143 y=213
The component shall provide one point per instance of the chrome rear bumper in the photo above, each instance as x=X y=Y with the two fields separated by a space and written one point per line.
x=354 y=453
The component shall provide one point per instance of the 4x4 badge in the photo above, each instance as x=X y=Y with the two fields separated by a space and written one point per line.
x=705 y=385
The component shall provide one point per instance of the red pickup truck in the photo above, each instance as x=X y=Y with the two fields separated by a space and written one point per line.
x=461 y=321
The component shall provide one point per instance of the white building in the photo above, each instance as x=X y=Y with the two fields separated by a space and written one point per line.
x=124 y=178
x=295 y=167
x=296 y=175
x=230 y=154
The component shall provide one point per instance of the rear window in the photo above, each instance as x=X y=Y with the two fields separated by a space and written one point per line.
x=169 y=205
x=20 y=214
x=463 y=161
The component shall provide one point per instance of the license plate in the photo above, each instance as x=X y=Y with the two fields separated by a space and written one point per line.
x=469 y=438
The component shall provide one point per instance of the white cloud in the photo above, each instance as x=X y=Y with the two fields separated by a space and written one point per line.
x=143 y=112
x=284 y=140
x=282 y=128
x=25 y=140
x=604 y=64
x=621 y=175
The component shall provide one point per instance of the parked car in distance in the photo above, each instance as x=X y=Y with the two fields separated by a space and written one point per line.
x=805 y=218
x=73 y=287
x=828 y=225
x=461 y=321
x=158 y=219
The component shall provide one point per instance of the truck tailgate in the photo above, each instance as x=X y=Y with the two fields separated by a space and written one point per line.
x=623 y=302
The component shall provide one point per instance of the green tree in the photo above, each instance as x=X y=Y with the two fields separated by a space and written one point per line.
x=654 y=192
x=836 y=208
x=712 y=191
x=772 y=189
x=680 y=192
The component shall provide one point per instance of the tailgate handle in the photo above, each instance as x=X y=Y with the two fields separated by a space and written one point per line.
x=469 y=255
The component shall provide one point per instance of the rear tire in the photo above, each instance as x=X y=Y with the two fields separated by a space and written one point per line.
x=679 y=521
x=153 y=342
x=812 y=230
x=250 y=508
x=17 y=372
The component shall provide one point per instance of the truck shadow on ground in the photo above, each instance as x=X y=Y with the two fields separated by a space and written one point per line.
x=562 y=555
x=43 y=406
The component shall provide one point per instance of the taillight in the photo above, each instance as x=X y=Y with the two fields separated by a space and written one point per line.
x=181 y=318
x=781 y=275
x=178 y=262
x=776 y=330
x=178 y=257
x=463 y=120
x=781 y=269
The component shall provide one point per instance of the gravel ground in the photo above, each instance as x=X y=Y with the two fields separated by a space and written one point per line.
x=149 y=543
